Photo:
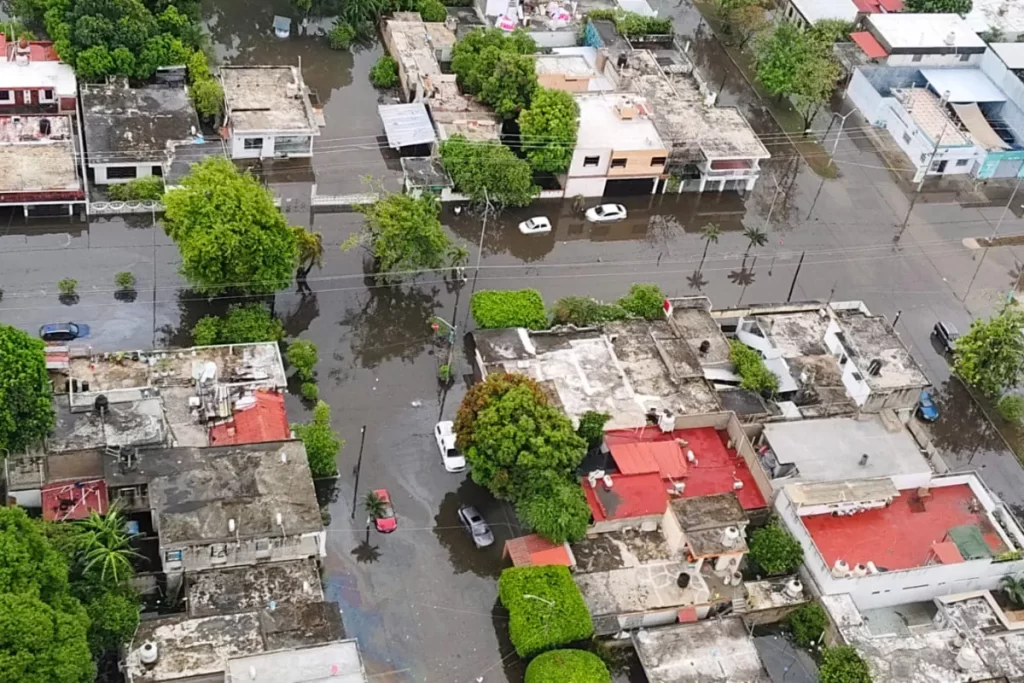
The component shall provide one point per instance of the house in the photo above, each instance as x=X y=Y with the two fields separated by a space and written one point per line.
x=230 y=590
x=269 y=114
x=39 y=163
x=339 y=662
x=884 y=545
x=417 y=47
x=573 y=69
x=33 y=80
x=1004 y=65
x=713 y=651
x=133 y=132
x=924 y=40
x=618 y=148
x=1004 y=19
x=810 y=12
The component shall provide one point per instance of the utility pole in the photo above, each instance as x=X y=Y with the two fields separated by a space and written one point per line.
x=988 y=245
x=359 y=466
x=935 y=150
x=796 y=273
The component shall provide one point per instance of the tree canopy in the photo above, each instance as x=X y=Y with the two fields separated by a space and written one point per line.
x=501 y=308
x=843 y=665
x=515 y=441
x=473 y=59
x=322 y=443
x=546 y=609
x=404 y=233
x=488 y=172
x=559 y=512
x=229 y=232
x=798 y=64
x=244 y=324
x=26 y=400
x=961 y=7
x=990 y=357
x=775 y=550
x=549 y=130
x=567 y=666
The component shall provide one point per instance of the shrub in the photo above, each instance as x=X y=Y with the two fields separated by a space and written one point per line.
x=124 y=280
x=843 y=665
x=496 y=309
x=535 y=624
x=302 y=355
x=206 y=331
x=750 y=366
x=644 y=301
x=322 y=444
x=631 y=23
x=384 y=73
x=558 y=512
x=431 y=10
x=341 y=36
x=67 y=286
x=1011 y=407
x=567 y=666
x=807 y=622
x=582 y=311
x=591 y=428
x=246 y=324
x=149 y=188
x=775 y=550
x=309 y=391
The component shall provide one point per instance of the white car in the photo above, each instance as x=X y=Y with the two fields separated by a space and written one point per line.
x=606 y=213
x=535 y=226
x=453 y=461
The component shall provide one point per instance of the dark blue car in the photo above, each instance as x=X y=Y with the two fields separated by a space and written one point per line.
x=63 y=332
x=926 y=408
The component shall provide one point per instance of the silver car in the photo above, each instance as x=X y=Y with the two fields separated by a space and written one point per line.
x=474 y=522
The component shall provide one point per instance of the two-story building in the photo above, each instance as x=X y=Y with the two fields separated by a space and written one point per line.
x=922 y=40
x=269 y=113
x=34 y=80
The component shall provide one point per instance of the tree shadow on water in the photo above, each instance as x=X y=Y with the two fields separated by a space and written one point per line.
x=393 y=322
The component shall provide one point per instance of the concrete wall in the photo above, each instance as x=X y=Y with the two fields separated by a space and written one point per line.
x=588 y=187
x=769 y=616
x=101 y=178
x=899 y=399
x=924 y=61
x=578 y=170
x=245 y=552
x=620 y=524
x=638 y=163
x=562 y=82
x=268 y=150
x=865 y=97
x=994 y=68
x=563 y=38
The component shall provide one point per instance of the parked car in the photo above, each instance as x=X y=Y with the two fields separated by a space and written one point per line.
x=453 y=461
x=63 y=332
x=606 y=213
x=538 y=225
x=926 y=408
x=947 y=334
x=476 y=526
x=387 y=522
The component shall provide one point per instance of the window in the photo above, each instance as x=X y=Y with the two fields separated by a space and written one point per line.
x=906 y=138
x=218 y=553
x=158 y=171
x=172 y=559
x=121 y=172
x=917 y=58
x=252 y=143
x=591 y=161
x=965 y=57
x=46 y=96
x=263 y=547
x=658 y=161
x=962 y=162
x=6 y=96
x=618 y=163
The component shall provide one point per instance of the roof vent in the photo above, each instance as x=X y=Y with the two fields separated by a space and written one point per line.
x=102 y=403
x=840 y=569
x=875 y=367
x=950 y=39
x=730 y=536
x=863 y=460
x=148 y=653
x=683 y=580
x=794 y=589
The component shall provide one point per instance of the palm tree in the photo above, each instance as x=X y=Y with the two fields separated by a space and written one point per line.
x=755 y=238
x=1013 y=586
x=374 y=505
x=105 y=546
x=709 y=233
x=311 y=249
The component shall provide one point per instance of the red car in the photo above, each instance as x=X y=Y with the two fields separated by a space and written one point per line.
x=387 y=522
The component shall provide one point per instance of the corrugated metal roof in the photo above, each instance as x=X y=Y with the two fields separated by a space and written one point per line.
x=963 y=85
x=406 y=124
x=664 y=457
x=869 y=44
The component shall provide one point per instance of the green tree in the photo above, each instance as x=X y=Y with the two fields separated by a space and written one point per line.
x=961 y=7
x=123 y=63
x=431 y=10
x=359 y=13
x=791 y=62
x=404 y=233
x=545 y=607
x=815 y=80
x=755 y=238
x=510 y=86
x=302 y=355
x=374 y=505
x=644 y=301
x=747 y=21
x=807 y=623
x=514 y=440
x=113 y=617
x=1011 y=407
x=775 y=550
x=384 y=72
x=322 y=443
x=311 y=250
x=107 y=554
x=709 y=233
x=94 y=63
x=207 y=97
x=549 y=130
x=149 y=188
x=341 y=36
x=501 y=308
x=244 y=324
x=473 y=60
x=206 y=331
x=558 y=512
x=26 y=400
x=843 y=665
x=124 y=280
x=990 y=357
x=583 y=311
x=489 y=172
x=229 y=232
x=567 y=666
x=591 y=427
x=750 y=366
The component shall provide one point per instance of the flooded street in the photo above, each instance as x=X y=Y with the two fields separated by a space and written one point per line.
x=422 y=601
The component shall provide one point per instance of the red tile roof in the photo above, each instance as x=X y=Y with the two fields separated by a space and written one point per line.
x=869 y=44
x=663 y=457
x=631 y=495
x=265 y=421
x=534 y=551
x=74 y=500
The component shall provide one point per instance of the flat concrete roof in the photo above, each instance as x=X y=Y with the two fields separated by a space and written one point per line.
x=870 y=337
x=712 y=651
x=1005 y=15
x=708 y=512
x=696 y=325
x=601 y=125
x=33 y=162
x=831 y=449
x=243 y=589
x=818 y=10
x=1012 y=54
x=641 y=588
x=332 y=663
x=267 y=99
x=905 y=30
x=130 y=125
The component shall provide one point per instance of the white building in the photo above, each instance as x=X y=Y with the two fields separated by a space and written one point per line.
x=885 y=546
x=269 y=113
x=1006 y=17
x=810 y=12
x=925 y=40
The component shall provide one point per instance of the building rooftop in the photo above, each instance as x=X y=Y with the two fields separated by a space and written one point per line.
x=641 y=588
x=534 y=551
x=267 y=99
x=1012 y=54
x=868 y=337
x=194 y=492
x=244 y=589
x=63 y=501
x=425 y=172
x=338 y=662
x=575 y=62
x=129 y=125
x=621 y=549
x=413 y=45
x=601 y=124
x=819 y=10
x=406 y=124
x=631 y=495
x=903 y=535
x=265 y=420
x=38 y=74
x=716 y=650
x=771 y=594
x=202 y=647
x=706 y=513
x=832 y=449
x=930 y=116
x=694 y=323
x=128 y=423
x=906 y=31
x=1005 y=15
x=37 y=154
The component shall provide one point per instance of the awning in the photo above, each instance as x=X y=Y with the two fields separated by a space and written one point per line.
x=869 y=44
x=976 y=124
x=406 y=124
x=963 y=85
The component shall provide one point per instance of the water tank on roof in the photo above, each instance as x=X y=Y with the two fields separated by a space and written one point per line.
x=794 y=588
x=148 y=653
x=102 y=403
x=730 y=537
x=667 y=422
x=45 y=127
x=683 y=580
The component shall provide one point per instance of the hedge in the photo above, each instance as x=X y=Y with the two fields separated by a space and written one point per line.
x=497 y=309
x=567 y=666
x=583 y=311
x=534 y=624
